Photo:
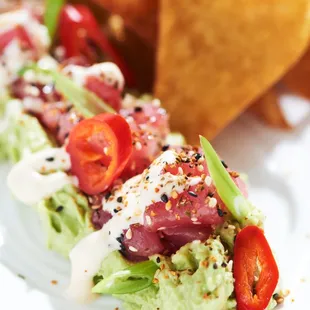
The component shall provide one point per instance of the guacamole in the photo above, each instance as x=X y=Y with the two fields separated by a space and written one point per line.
x=198 y=276
x=66 y=219
x=21 y=134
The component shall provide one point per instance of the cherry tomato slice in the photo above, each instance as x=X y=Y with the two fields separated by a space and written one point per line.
x=252 y=249
x=99 y=148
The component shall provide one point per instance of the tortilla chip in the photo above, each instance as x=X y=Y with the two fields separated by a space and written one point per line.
x=297 y=79
x=215 y=57
x=268 y=109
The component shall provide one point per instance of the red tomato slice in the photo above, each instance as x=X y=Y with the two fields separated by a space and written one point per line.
x=252 y=248
x=99 y=148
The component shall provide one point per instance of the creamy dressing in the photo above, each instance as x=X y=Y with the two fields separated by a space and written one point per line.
x=107 y=71
x=137 y=193
x=39 y=175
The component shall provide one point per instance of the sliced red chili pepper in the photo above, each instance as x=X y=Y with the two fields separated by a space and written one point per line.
x=253 y=257
x=79 y=33
x=99 y=148
x=18 y=32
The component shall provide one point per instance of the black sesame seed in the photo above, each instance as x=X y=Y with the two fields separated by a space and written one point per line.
x=50 y=159
x=164 y=198
x=119 y=199
x=220 y=212
x=210 y=195
x=138 y=109
x=276 y=296
x=59 y=208
x=197 y=156
x=116 y=211
x=193 y=194
x=224 y=164
x=66 y=135
x=165 y=147
x=215 y=266
x=119 y=239
x=107 y=195
x=147 y=178
x=224 y=265
x=157 y=259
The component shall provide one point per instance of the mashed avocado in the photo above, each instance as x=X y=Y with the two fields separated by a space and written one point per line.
x=198 y=276
x=21 y=133
x=66 y=219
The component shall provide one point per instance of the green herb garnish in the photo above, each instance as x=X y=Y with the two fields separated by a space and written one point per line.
x=52 y=11
x=86 y=102
x=241 y=209
x=130 y=280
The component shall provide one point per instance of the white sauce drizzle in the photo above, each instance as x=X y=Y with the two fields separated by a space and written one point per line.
x=27 y=181
x=107 y=71
x=88 y=254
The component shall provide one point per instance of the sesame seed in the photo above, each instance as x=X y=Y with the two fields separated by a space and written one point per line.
x=220 y=212
x=138 y=109
x=148 y=220
x=208 y=180
x=180 y=170
x=215 y=266
x=132 y=249
x=197 y=156
x=157 y=259
x=164 y=198
x=168 y=205
x=105 y=150
x=119 y=199
x=165 y=147
x=194 y=219
x=224 y=164
x=107 y=195
x=138 y=146
x=59 y=209
x=129 y=234
x=50 y=159
x=212 y=202
x=174 y=194
x=200 y=168
x=193 y=194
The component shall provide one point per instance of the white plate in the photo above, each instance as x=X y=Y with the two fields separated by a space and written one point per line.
x=278 y=166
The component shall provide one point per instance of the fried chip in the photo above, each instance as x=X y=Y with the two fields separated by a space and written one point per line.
x=297 y=79
x=216 y=57
x=268 y=109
